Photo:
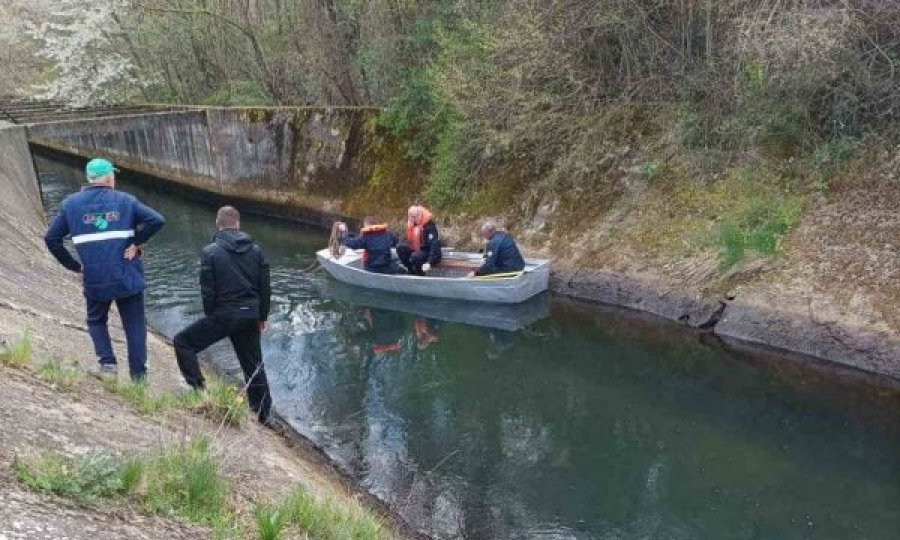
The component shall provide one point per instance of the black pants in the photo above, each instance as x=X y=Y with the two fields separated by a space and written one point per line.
x=412 y=260
x=244 y=336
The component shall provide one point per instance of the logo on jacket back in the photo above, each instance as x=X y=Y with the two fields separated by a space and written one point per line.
x=100 y=220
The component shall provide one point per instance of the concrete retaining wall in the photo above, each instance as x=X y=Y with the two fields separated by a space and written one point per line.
x=303 y=156
x=31 y=281
x=18 y=180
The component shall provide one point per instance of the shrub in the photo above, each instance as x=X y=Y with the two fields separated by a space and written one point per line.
x=85 y=477
x=65 y=377
x=17 y=353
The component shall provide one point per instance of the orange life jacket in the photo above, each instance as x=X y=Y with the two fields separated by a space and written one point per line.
x=414 y=231
x=380 y=227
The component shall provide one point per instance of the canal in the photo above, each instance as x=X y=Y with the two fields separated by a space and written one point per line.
x=555 y=420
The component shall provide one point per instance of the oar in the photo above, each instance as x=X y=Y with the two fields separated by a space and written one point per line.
x=503 y=275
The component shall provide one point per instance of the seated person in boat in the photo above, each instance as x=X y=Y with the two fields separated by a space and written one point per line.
x=424 y=249
x=376 y=242
x=501 y=254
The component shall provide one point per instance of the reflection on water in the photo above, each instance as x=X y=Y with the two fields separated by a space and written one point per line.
x=586 y=424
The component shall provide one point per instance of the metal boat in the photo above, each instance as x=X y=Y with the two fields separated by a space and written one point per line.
x=447 y=280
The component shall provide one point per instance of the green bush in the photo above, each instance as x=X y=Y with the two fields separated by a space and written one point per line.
x=446 y=174
x=86 y=477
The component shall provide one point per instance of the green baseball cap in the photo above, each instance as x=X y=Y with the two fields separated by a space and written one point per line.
x=99 y=167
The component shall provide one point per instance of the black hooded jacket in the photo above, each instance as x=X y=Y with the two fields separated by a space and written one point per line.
x=234 y=277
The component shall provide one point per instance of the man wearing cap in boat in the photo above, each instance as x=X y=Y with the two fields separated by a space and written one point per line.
x=107 y=228
x=376 y=242
x=501 y=254
x=424 y=249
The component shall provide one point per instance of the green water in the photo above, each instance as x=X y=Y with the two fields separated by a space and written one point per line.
x=588 y=423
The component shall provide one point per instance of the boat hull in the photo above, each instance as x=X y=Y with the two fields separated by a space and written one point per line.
x=511 y=290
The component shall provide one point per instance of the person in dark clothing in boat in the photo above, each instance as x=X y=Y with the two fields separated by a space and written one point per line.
x=424 y=244
x=236 y=291
x=501 y=254
x=376 y=241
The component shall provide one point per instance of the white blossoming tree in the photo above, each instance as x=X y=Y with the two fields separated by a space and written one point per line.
x=82 y=41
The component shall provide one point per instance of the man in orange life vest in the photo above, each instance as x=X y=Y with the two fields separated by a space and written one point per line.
x=424 y=249
x=376 y=241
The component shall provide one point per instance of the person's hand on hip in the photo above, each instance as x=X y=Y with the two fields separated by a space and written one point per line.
x=132 y=251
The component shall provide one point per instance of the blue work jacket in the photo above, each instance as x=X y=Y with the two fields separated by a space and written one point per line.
x=103 y=223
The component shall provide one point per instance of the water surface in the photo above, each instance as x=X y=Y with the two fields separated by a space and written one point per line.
x=588 y=423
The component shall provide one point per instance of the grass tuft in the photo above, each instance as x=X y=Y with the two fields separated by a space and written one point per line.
x=220 y=402
x=17 y=353
x=138 y=394
x=270 y=520
x=65 y=377
x=185 y=481
x=324 y=519
x=85 y=477
x=758 y=229
x=650 y=170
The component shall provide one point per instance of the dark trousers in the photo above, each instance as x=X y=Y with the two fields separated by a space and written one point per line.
x=244 y=336
x=412 y=260
x=131 y=311
x=392 y=268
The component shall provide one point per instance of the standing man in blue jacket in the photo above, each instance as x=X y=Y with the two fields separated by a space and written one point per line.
x=108 y=228
x=501 y=253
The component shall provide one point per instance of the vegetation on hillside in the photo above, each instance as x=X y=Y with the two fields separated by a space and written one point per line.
x=545 y=94
x=186 y=480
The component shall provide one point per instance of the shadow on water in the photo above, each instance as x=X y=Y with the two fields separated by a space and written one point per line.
x=559 y=421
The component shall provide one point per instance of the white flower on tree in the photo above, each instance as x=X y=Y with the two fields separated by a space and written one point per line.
x=79 y=38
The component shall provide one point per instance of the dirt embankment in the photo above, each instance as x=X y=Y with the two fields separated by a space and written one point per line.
x=747 y=248
x=36 y=417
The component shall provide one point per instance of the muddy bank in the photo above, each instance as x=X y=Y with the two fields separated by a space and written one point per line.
x=762 y=315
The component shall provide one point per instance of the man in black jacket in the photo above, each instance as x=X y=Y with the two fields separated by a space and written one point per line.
x=501 y=254
x=234 y=284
